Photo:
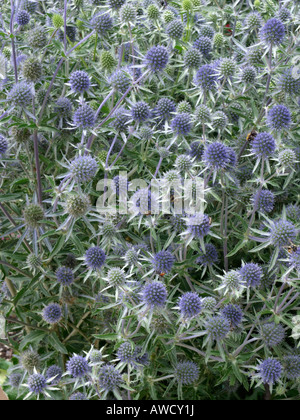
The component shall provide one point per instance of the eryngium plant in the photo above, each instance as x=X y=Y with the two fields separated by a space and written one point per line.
x=187 y=305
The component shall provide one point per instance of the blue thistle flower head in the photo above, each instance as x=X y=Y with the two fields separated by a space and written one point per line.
x=251 y=274
x=216 y=156
x=272 y=334
x=141 y=111
x=95 y=258
x=293 y=212
x=291 y=366
x=95 y=356
x=84 y=168
x=30 y=6
x=15 y=380
x=3 y=145
x=190 y=305
x=22 y=17
x=198 y=225
x=78 y=367
x=210 y=256
x=192 y=58
x=207 y=31
x=84 y=117
x=233 y=313
x=249 y=75
x=284 y=14
x=37 y=383
x=64 y=108
x=125 y=352
x=264 y=145
x=140 y=357
x=54 y=372
x=157 y=58
x=273 y=32
x=116 y=4
x=175 y=29
x=217 y=327
x=163 y=261
x=65 y=276
x=294 y=259
x=102 y=23
x=232 y=159
x=282 y=233
x=279 y=118
x=120 y=81
x=164 y=108
x=155 y=294
x=116 y=276
x=209 y=303
x=178 y=223
x=52 y=313
x=206 y=77
x=21 y=94
x=232 y=281
x=220 y=120
x=71 y=32
x=203 y=44
x=187 y=373
x=196 y=150
x=109 y=377
x=254 y=20
x=80 y=81
x=288 y=83
x=182 y=124
x=265 y=200
x=78 y=396
x=121 y=119
x=270 y=371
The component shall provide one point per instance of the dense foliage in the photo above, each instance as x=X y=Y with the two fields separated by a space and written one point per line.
x=145 y=304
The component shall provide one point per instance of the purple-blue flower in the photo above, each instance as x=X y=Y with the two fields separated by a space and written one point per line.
x=190 y=305
x=163 y=261
x=264 y=145
x=216 y=156
x=187 y=373
x=22 y=17
x=198 y=225
x=65 y=276
x=282 y=233
x=181 y=124
x=233 y=313
x=217 y=327
x=109 y=377
x=37 y=383
x=157 y=58
x=279 y=118
x=206 y=77
x=80 y=81
x=155 y=294
x=84 y=117
x=95 y=258
x=84 y=168
x=78 y=367
x=270 y=371
x=273 y=32
x=251 y=274
x=52 y=313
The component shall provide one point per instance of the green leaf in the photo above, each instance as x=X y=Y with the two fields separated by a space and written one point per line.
x=109 y=336
x=57 y=344
x=238 y=247
x=34 y=337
